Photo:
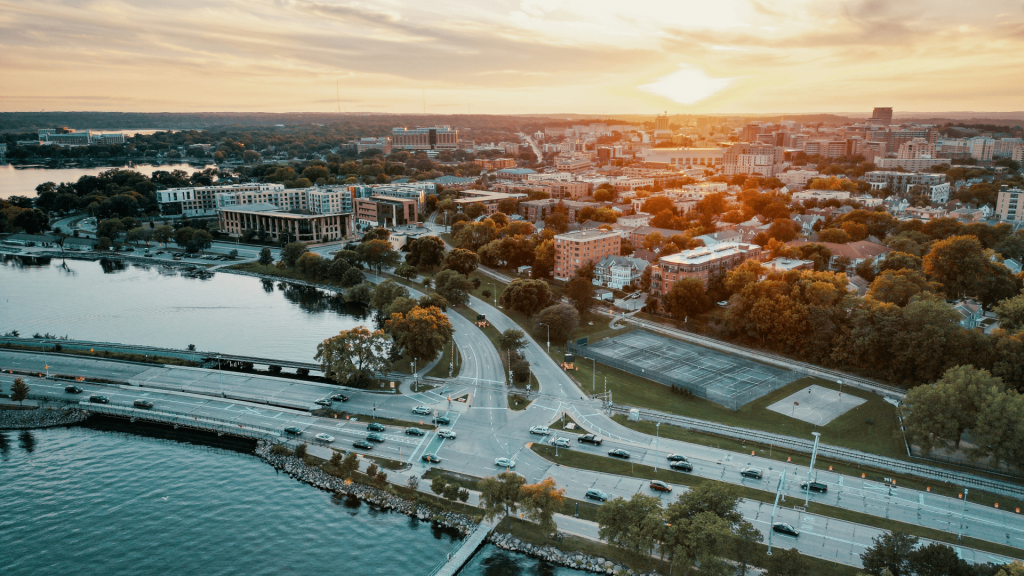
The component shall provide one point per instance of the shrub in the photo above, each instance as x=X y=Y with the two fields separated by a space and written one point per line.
x=372 y=469
x=302 y=371
x=486 y=293
x=300 y=451
x=280 y=450
x=275 y=369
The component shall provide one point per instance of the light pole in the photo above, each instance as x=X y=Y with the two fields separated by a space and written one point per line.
x=840 y=382
x=778 y=492
x=495 y=293
x=810 y=469
x=963 y=511
x=549 y=336
x=593 y=384
x=657 y=435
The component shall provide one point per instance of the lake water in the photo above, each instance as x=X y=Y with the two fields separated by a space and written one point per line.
x=155 y=305
x=94 y=501
x=22 y=180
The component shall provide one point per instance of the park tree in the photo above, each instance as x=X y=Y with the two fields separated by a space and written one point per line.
x=291 y=253
x=687 y=298
x=635 y=524
x=541 y=501
x=580 y=292
x=435 y=300
x=266 y=258
x=453 y=287
x=701 y=524
x=936 y=559
x=182 y=236
x=462 y=261
x=789 y=562
x=353 y=356
x=19 y=390
x=889 y=551
x=426 y=253
x=526 y=296
x=562 y=320
x=422 y=333
x=998 y=429
x=136 y=235
x=957 y=263
x=400 y=306
x=900 y=261
x=938 y=414
x=746 y=545
x=437 y=485
x=377 y=254
x=512 y=339
x=199 y=241
x=163 y=234
x=472 y=235
x=387 y=292
x=834 y=236
x=557 y=221
x=544 y=259
x=312 y=266
x=112 y=228
x=501 y=494
x=406 y=271
x=352 y=277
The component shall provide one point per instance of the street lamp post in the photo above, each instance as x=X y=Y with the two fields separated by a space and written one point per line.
x=495 y=293
x=963 y=511
x=840 y=382
x=810 y=469
x=657 y=436
x=593 y=384
x=549 y=336
x=778 y=493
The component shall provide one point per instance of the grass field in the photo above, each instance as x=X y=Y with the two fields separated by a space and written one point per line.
x=586 y=461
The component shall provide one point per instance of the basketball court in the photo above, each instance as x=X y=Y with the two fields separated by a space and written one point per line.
x=816 y=405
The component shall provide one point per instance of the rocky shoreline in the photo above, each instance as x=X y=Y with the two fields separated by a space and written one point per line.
x=41 y=418
x=555 y=556
x=375 y=497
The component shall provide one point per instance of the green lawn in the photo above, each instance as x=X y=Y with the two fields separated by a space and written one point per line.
x=567 y=419
x=586 y=461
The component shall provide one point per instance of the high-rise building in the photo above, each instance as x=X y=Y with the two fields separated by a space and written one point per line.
x=436 y=138
x=573 y=250
x=661 y=122
x=881 y=116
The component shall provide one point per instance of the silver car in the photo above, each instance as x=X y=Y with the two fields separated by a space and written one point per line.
x=561 y=442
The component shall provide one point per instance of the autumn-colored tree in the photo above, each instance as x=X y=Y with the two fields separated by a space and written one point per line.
x=354 y=355
x=957 y=263
x=462 y=261
x=562 y=320
x=541 y=501
x=453 y=286
x=899 y=286
x=686 y=298
x=422 y=332
x=834 y=236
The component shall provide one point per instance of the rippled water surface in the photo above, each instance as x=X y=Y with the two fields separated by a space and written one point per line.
x=159 y=306
x=96 y=502
x=22 y=180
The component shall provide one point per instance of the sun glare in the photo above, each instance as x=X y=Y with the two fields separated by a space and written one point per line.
x=688 y=85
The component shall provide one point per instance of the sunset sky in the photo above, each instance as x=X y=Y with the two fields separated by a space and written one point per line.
x=501 y=56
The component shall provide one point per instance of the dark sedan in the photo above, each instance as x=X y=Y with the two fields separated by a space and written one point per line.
x=432 y=458
x=619 y=453
x=363 y=445
x=414 y=432
x=73 y=389
x=374 y=427
x=676 y=458
x=784 y=528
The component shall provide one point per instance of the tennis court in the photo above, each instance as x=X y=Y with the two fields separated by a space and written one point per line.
x=719 y=377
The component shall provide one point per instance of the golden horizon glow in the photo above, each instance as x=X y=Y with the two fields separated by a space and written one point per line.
x=514 y=57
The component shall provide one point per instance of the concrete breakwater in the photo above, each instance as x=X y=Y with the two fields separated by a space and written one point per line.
x=41 y=418
x=376 y=497
x=555 y=556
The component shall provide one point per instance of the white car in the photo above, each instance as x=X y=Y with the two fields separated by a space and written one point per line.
x=446 y=433
x=542 y=430
x=324 y=437
x=561 y=442
x=422 y=410
x=505 y=462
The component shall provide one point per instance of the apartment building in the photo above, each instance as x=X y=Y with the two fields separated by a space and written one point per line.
x=709 y=158
x=282 y=225
x=916 y=148
x=923 y=164
x=495 y=163
x=434 y=138
x=379 y=211
x=749 y=158
x=798 y=178
x=202 y=200
x=574 y=250
x=704 y=263
x=489 y=199
x=572 y=163
x=1006 y=204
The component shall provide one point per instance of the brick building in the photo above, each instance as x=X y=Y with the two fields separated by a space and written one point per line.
x=574 y=250
x=704 y=263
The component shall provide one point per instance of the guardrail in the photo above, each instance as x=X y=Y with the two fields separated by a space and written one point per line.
x=831 y=452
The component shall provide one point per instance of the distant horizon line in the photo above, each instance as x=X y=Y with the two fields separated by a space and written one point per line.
x=545 y=114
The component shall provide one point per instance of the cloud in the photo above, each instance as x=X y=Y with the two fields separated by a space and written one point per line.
x=688 y=85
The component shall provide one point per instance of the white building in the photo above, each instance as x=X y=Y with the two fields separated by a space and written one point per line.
x=820 y=195
x=798 y=178
x=203 y=200
x=618 y=271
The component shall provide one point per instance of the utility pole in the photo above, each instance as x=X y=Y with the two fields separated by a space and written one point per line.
x=657 y=436
x=593 y=384
x=810 y=469
x=778 y=492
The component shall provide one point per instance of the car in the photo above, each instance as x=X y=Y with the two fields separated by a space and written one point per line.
x=784 y=528
x=414 y=432
x=293 y=431
x=432 y=458
x=375 y=427
x=99 y=400
x=324 y=437
x=505 y=462
x=542 y=430
x=323 y=402
x=362 y=445
x=443 y=420
x=422 y=410
x=590 y=439
x=659 y=486
x=73 y=389
x=159 y=252
x=374 y=437
x=681 y=466
x=144 y=404
x=619 y=453
x=752 y=473
x=815 y=487
x=634 y=296
x=561 y=442
x=723 y=303
x=340 y=397
x=446 y=433
x=149 y=255
x=676 y=458
x=595 y=494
